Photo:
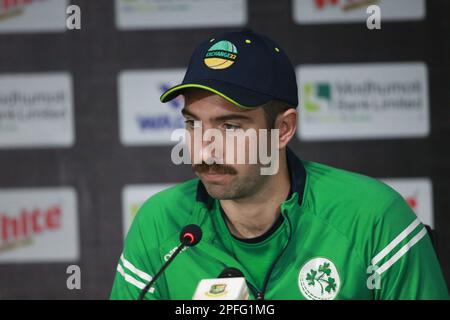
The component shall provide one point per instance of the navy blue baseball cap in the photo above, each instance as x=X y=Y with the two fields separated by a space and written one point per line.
x=246 y=68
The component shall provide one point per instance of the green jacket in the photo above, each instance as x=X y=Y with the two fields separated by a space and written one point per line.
x=342 y=236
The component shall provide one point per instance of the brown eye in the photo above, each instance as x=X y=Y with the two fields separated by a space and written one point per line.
x=229 y=126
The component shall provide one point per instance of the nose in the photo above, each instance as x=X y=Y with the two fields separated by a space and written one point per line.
x=207 y=146
x=212 y=146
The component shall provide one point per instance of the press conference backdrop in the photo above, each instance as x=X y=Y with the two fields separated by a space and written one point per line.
x=84 y=139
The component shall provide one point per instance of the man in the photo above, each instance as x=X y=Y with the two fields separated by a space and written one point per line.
x=306 y=231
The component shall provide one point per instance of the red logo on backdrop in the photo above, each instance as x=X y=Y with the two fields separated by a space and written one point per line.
x=412 y=202
x=345 y=4
x=14 y=7
x=13 y=4
x=29 y=223
x=321 y=3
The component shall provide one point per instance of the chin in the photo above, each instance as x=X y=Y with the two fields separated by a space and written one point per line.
x=219 y=191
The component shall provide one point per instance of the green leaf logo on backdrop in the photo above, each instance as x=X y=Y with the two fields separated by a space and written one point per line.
x=316 y=96
x=318 y=279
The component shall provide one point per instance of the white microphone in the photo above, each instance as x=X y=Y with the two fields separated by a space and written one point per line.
x=230 y=285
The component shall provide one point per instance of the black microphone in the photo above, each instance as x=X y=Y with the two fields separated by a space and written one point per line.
x=189 y=236
x=231 y=273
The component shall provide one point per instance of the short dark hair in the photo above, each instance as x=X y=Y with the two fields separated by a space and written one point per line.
x=272 y=109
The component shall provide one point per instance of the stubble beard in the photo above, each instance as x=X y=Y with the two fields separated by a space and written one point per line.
x=238 y=188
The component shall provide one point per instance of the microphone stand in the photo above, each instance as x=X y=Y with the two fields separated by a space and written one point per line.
x=180 y=247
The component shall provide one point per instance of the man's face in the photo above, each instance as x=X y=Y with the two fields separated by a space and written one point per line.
x=228 y=180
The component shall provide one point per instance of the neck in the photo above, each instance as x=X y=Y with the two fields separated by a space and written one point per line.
x=252 y=216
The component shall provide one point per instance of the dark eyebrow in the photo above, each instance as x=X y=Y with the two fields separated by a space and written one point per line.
x=226 y=117
x=233 y=117
x=186 y=113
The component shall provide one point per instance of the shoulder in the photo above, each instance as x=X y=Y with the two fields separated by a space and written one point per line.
x=342 y=197
x=340 y=185
x=365 y=211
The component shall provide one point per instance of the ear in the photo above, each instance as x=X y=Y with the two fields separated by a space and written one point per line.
x=287 y=124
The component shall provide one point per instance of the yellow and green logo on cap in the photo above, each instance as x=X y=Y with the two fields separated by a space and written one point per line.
x=221 y=55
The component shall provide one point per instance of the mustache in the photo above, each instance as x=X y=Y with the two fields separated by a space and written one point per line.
x=214 y=168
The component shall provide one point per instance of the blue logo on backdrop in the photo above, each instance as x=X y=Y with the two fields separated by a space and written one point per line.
x=168 y=119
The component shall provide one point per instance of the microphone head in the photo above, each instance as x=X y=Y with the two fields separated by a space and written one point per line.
x=231 y=273
x=191 y=235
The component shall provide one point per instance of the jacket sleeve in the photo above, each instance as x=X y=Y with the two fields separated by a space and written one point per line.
x=138 y=263
x=403 y=257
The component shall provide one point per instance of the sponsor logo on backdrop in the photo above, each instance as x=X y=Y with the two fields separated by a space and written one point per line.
x=357 y=101
x=133 y=197
x=418 y=193
x=36 y=110
x=342 y=11
x=38 y=225
x=157 y=14
x=162 y=120
x=144 y=120
x=32 y=15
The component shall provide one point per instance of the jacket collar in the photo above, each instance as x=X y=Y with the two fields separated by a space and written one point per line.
x=297 y=176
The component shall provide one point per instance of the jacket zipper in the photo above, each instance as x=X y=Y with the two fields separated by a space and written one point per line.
x=255 y=291
x=259 y=295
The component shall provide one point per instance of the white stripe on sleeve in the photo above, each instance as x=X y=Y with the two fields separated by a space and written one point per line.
x=395 y=242
x=132 y=280
x=402 y=251
x=141 y=274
